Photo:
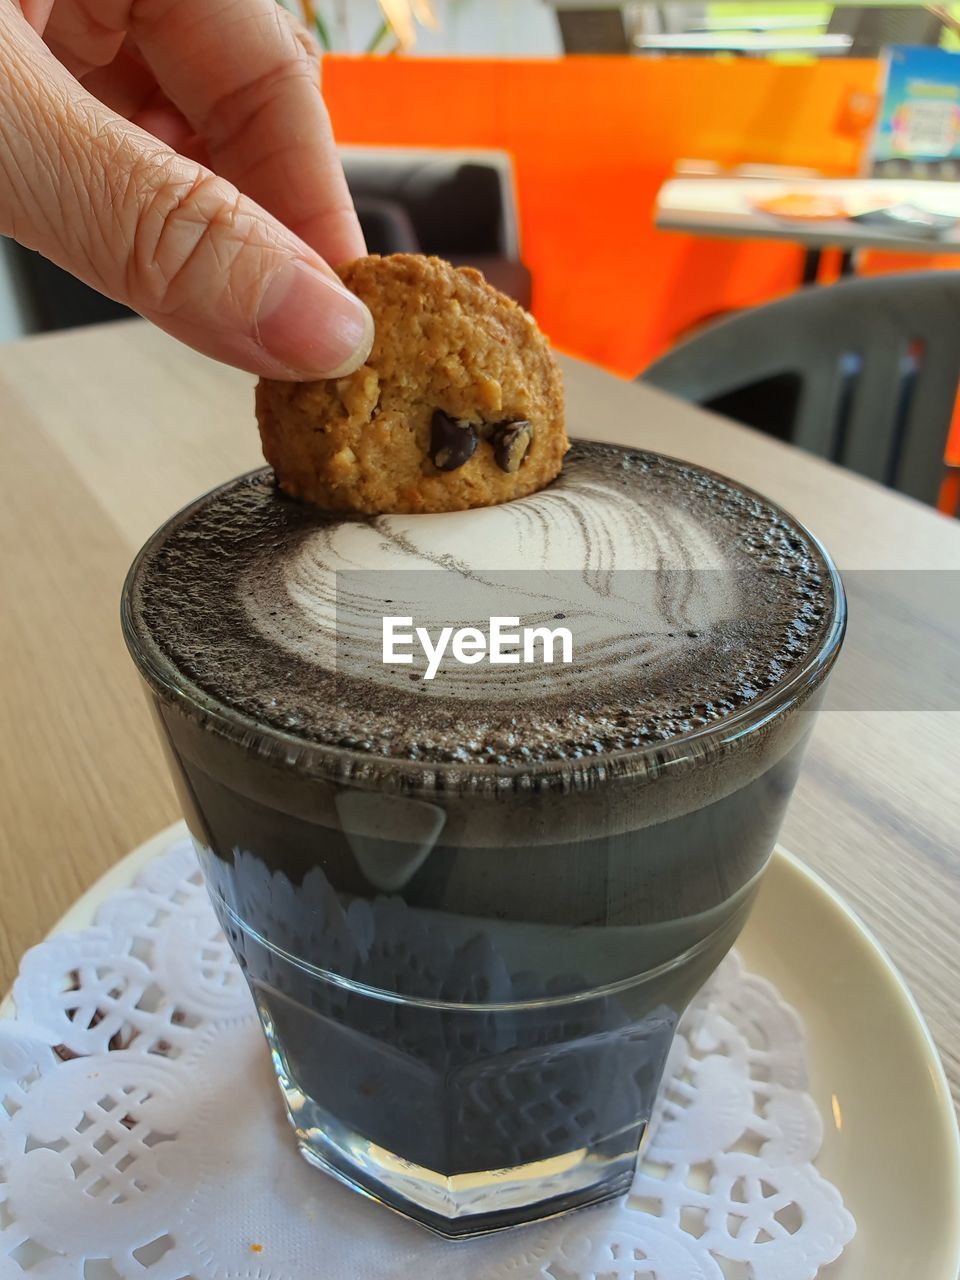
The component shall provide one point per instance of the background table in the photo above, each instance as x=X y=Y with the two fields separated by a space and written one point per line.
x=757 y=43
x=724 y=207
x=105 y=432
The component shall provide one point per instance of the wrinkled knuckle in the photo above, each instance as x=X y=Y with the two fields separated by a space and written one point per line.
x=188 y=230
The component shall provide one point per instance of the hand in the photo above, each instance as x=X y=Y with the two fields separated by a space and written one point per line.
x=177 y=156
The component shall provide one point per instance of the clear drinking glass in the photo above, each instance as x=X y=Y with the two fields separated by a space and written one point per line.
x=470 y=986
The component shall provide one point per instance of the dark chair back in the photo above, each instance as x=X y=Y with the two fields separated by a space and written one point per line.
x=864 y=372
x=386 y=226
x=874 y=26
x=459 y=205
x=457 y=202
x=593 y=30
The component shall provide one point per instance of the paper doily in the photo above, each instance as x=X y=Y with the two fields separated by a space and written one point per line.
x=142 y=1136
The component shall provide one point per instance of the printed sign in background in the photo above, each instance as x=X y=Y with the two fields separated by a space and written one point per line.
x=918 y=125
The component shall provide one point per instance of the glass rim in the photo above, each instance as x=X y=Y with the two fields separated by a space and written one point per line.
x=315 y=758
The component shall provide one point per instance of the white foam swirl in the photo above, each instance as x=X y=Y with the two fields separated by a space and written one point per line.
x=567 y=547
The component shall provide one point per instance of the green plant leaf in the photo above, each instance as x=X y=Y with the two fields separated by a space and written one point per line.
x=379 y=36
x=323 y=33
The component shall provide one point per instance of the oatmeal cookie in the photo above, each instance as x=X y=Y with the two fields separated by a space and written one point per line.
x=460 y=403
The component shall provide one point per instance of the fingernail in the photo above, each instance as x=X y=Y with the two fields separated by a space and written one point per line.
x=312 y=324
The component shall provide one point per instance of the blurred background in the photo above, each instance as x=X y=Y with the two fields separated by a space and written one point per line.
x=648 y=177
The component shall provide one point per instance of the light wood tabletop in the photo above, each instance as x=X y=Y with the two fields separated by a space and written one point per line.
x=106 y=431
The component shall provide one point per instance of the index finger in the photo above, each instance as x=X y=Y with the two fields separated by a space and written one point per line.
x=247 y=80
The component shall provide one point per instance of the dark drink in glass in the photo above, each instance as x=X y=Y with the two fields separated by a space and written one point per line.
x=471 y=909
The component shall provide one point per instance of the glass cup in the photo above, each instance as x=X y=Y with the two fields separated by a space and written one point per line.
x=469 y=991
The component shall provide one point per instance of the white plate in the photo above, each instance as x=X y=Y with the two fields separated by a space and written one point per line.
x=891 y=1143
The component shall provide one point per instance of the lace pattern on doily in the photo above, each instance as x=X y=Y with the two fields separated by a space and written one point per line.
x=143 y=1138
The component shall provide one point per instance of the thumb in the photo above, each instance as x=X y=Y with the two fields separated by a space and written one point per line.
x=154 y=230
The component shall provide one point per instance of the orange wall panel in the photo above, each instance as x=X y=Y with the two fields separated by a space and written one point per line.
x=592 y=140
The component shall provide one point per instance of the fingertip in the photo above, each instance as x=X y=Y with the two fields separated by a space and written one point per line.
x=312 y=325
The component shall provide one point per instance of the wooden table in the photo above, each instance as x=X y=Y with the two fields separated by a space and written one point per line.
x=724 y=207
x=107 y=431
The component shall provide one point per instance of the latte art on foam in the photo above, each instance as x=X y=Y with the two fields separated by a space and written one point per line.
x=688 y=598
x=638 y=582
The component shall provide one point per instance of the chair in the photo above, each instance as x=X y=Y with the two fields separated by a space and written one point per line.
x=864 y=372
x=614 y=29
x=874 y=26
x=588 y=29
x=459 y=205
x=386 y=226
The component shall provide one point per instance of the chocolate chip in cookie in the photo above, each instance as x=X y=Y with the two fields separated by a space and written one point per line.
x=511 y=440
x=452 y=443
